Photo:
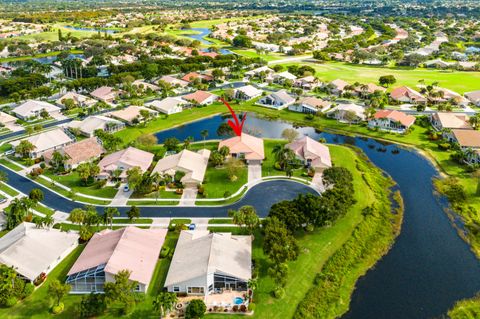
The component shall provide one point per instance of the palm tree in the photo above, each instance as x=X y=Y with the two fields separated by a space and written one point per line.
x=284 y=156
x=108 y=215
x=204 y=134
x=164 y=302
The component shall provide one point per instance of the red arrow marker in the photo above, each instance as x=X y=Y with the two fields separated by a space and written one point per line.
x=237 y=127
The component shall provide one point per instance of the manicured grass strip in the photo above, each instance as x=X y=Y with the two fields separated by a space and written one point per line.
x=179 y=221
x=151 y=203
x=43 y=209
x=10 y=165
x=73 y=181
x=223 y=229
x=135 y=221
x=220 y=221
x=8 y=190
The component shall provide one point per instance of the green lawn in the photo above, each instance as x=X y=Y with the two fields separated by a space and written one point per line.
x=73 y=181
x=135 y=221
x=214 y=221
x=458 y=81
x=216 y=182
x=8 y=190
x=40 y=55
x=10 y=165
x=253 y=54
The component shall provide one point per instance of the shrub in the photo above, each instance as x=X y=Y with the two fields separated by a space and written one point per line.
x=101 y=183
x=279 y=293
x=251 y=306
x=444 y=146
x=164 y=252
x=58 y=309
x=227 y=194
x=243 y=308
x=42 y=165
x=11 y=301
x=235 y=308
x=28 y=290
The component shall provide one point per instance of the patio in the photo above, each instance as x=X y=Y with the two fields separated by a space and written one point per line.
x=224 y=299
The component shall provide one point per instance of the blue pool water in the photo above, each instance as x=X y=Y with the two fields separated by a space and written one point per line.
x=238 y=301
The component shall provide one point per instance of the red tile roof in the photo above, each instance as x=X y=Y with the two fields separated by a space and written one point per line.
x=406 y=120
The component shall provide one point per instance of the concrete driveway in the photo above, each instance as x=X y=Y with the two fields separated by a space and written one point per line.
x=121 y=198
x=189 y=196
x=254 y=172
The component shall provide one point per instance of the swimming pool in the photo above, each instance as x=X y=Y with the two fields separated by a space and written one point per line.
x=238 y=301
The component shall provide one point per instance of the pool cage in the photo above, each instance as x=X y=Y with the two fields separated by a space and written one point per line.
x=89 y=280
x=223 y=282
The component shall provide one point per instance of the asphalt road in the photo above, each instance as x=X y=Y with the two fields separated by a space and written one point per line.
x=261 y=196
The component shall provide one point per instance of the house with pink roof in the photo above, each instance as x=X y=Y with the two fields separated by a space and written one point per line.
x=246 y=147
x=313 y=154
x=123 y=161
x=200 y=97
x=111 y=251
x=391 y=120
x=105 y=94
x=405 y=94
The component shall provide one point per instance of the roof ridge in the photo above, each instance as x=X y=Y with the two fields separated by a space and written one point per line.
x=116 y=245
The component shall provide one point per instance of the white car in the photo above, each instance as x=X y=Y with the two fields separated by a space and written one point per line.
x=126 y=188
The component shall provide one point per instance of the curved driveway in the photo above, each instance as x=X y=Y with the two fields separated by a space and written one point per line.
x=261 y=196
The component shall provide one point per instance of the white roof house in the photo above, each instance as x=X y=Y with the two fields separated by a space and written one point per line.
x=283 y=76
x=33 y=251
x=49 y=140
x=256 y=71
x=169 y=105
x=474 y=97
x=193 y=164
x=89 y=125
x=310 y=104
x=247 y=92
x=33 y=108
x=277 y=100
x=7 y=118
x=132 y=113
x=340 y=112
x=202 y=260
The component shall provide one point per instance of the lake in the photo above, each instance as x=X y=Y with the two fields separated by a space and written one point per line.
x=428 y=268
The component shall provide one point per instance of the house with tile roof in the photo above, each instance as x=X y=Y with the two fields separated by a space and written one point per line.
x=111 y=251
x=473 y=97
x=247 y=93
x=310 y=105
x=32 y=109
x=193 y=164
x=132 y=114
x=205 y=263
x=89 y=125
x=201 y=97
x=46 y=141
x=347 y=113
x=404 y=94
x=123 y=161
x=246 y=147
x=449 y=121
x=78 y=99
x=169 y=105
x=77 y=153
x=469 y=142
x=313 y=154
x=105 y=94
x=391 y=120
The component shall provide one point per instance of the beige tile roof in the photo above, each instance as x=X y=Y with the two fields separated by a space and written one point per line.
x=28 y=108
x=199 y=96
x=192 y=163
x=129 y=248
x=452 y=120
x=199 y=253
x=79 y=152
x=307 y=148
x=7 y=118
x=127 y=158
x=406 y=120
x=467 y=138
x=249 y=145
x=130 y=113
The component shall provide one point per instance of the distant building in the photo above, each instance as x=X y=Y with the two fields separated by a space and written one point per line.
x=169 y=105
x=310 y=105
x=277 y=100
x=89 y=125
x=78 y=99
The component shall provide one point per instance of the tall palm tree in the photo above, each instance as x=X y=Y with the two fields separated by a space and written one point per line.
x=108 y=215
x=204 y=134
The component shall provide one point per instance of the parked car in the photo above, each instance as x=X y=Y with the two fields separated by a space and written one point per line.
x=9 y=152
x=126 y=188
x=192 y=227
x=3 y=200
